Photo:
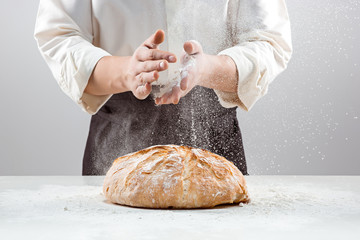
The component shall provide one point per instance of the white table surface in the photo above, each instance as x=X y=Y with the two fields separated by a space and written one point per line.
x=282 y=207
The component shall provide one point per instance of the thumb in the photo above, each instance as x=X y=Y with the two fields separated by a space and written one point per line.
x=154 y=40
x=192 y=47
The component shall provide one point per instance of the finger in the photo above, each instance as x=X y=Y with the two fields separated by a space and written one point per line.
x=192 y=47
x=154 y=40
x=172 y=97
x=176 y=94
x=147 y=77
x=184 y=83
x=164 y=98
x=142 y=92
x=154 y=54
x=149 y=66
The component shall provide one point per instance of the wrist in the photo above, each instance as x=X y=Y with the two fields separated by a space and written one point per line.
x=209 y=70
x=118 y=74
x=219 y=73
x=205 y=70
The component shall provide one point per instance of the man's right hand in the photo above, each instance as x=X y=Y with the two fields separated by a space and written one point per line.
x=146 y=63
x=114 y=74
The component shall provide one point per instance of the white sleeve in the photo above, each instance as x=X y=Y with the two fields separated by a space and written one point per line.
x=63 y=32
x=262 y=48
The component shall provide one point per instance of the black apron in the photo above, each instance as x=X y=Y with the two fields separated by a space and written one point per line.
x=125 y=124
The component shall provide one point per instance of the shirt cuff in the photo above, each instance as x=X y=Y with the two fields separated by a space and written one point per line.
x=76 y=71
x=247 y=93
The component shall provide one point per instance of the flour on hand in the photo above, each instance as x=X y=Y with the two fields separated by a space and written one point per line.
x=174 y=76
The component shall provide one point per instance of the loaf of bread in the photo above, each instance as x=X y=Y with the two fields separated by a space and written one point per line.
x=173 y=176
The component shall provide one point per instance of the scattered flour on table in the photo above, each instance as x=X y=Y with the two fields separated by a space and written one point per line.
x=81 y=212
x=89 y=204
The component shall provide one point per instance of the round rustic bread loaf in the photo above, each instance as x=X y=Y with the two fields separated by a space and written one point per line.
x=173 y=176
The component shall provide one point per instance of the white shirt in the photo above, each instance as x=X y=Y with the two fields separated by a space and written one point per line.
x=73 y=35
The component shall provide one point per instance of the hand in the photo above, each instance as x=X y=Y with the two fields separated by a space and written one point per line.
x=145 y=65
x=115 y=74
x=194 y=61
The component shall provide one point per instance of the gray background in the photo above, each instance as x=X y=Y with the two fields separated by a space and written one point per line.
x=308 y=123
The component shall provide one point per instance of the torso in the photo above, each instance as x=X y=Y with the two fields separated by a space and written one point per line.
x=125 y=124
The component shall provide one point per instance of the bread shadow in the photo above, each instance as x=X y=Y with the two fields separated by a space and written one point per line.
x=221 y=206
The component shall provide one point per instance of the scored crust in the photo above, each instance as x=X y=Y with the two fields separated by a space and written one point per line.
x=172 y=176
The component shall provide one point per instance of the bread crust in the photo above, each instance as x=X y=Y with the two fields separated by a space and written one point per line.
x=171 y=176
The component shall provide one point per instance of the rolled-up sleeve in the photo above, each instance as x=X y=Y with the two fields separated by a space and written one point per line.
x=63 y=32
x=261 y=50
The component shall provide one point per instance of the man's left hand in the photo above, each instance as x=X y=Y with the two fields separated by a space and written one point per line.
x=190 y=77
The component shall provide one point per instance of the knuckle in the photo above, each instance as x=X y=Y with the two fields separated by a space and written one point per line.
x=149 y=66
x=140 y=78
x=152 y=54
x=144 y=66
x=137 y=53
x=138 y=68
